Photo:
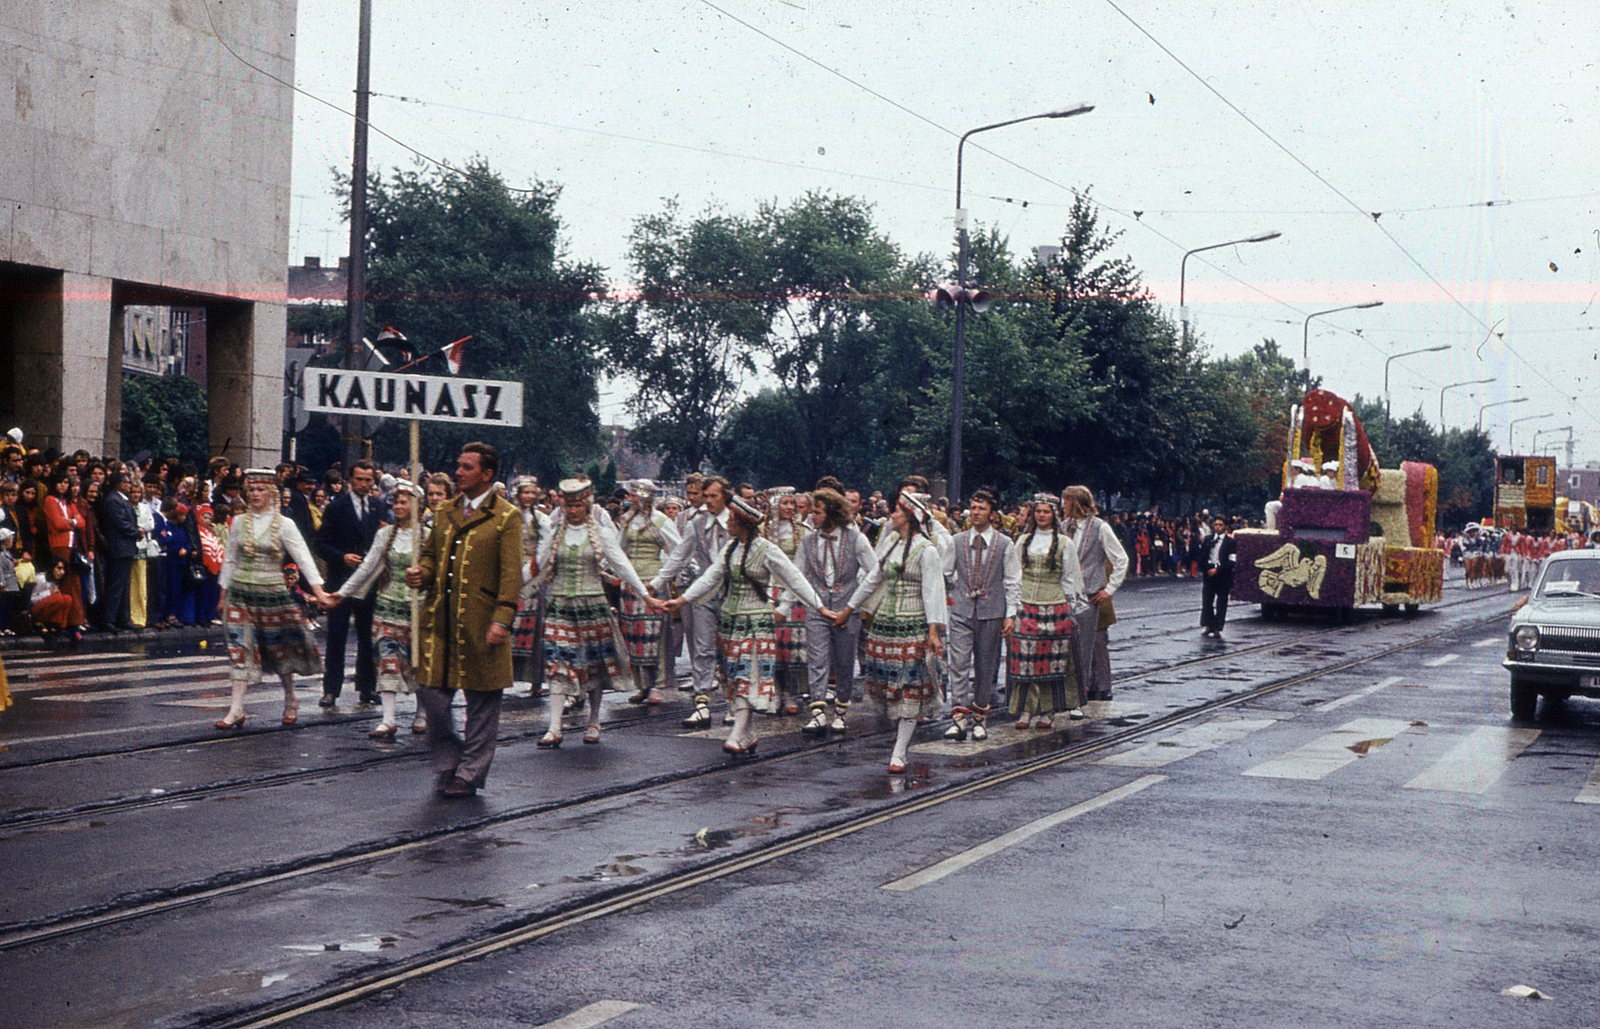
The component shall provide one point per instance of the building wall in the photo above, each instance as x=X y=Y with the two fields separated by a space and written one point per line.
x=140 y=162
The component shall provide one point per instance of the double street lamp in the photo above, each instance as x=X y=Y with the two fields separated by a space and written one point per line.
x=961 y=297
x=1498 y=403
x=1511 y=430
x=1453 y=385
x=1183 y=268
x=1305 y=345
x=1386 y=363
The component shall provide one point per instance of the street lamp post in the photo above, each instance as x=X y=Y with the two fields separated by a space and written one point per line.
x=1183 y=268
x=1305 y=345
x=1453 y=385
x=1498 y=403
x=958 y=369
x=1386 y=363
x=1540 y=432
x=1511 y=430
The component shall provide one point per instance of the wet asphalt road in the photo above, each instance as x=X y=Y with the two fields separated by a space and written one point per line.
x=1374 y=842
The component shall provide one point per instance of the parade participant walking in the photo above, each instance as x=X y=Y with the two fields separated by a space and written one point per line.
x=1220 y=554
x=267 y=631
x=907 y=624
x=985 y=577
x=470 y=573
x=835 y=557
x=527 y=629
x=1042 y=674
x=785 y=528
x=705 y=533
x=394 y=550
x=743 y=576
x=647 y=536
x=1104 y=565
x=580 y=637
x=348 y=527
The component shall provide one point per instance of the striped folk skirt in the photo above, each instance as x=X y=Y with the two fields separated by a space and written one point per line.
x=268 y=634
x=1042 y=667
x=641 y=631
x=579 y=646
x=526 y=625
x=896 y=668
x=748 y=647
x=391 y=645
x=790 y=629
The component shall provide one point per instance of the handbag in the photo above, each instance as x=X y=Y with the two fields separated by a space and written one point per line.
x=197 y=572
x=80 y=562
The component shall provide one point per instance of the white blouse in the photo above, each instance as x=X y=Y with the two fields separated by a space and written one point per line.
x=610 y=545
x=288 y=535
x=772 y=560
x=934 y=609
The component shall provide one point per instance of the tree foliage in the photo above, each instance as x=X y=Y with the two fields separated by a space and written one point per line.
x=165 y=415
x=454 y=255
x=1464 y=458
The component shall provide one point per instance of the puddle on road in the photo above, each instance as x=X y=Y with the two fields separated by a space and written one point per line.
x=366 y=944
x=456 y=906
x=1365 y=747
x=606 y=873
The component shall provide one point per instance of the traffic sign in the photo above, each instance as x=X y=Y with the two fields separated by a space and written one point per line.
x=430 y=398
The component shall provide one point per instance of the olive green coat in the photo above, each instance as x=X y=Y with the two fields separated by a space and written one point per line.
x=455 y=622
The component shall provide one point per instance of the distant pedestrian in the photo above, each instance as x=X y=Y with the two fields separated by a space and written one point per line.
x=1221 y=554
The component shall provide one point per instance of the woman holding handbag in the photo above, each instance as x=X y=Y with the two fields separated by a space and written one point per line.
x=267 y=631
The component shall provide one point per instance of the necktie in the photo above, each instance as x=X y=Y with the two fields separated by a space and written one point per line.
x=830 y=560
x=976 y=587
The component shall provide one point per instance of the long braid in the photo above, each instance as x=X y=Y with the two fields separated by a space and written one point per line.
x=594 y=538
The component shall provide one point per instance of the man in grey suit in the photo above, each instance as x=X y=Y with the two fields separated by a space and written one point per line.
x=119 y=527
x=705 y=534
x=984 y=570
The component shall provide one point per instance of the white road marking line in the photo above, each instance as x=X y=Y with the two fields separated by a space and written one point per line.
x=1330 y=752
x=91 y=733
x=1492 y=641
x=1590 y=794
x=1477 y=761
x=590 y=1015
x=133 y=666
x=1351 y=698
x=30 y=660
x=263 y=696
x=175 y=682
x=1440 y=662
x=1188 y=743
x=955 y=863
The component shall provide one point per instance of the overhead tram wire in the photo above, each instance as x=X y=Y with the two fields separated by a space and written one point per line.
x=1128 y=215
x=1366 y=212
x=217 y=34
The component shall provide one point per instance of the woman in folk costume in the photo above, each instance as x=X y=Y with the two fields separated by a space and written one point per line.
x=647 y=536
x=580 y=648
x=395 y=548
x=267 y=631
x=1042 y=671
x=744 y=574
x=908 y=624
x=785 y=528
x=527 y=626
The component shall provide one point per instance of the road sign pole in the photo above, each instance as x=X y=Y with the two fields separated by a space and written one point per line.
x=417 y=501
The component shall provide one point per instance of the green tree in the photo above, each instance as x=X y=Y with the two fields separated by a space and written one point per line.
x=1250 y=396
x=689 y=335
x=165 y=416
x=464 y=254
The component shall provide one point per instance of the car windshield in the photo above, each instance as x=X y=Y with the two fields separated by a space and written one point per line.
x=1571 y=579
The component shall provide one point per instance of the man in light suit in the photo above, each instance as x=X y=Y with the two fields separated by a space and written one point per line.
x=348 y=526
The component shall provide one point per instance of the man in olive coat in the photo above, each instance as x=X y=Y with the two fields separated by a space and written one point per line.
x=470 y=574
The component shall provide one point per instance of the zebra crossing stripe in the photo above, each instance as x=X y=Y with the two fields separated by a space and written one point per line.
x=1477 y=761
x=1590 y=794
x=1330 y=752
x=1188 y=743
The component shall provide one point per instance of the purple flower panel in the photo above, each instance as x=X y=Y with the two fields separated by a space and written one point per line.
x=1326 y=514
x=1276 y=569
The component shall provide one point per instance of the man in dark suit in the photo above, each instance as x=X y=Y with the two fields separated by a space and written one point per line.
x=1220 y=555
x=119 y=528
x=348 y=525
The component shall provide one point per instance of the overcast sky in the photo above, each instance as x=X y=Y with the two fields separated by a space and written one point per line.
x=1423 y=112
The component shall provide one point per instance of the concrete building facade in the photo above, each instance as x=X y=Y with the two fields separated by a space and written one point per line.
x=143 y=164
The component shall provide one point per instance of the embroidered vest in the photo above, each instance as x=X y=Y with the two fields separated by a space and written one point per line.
x=985 y=598
x=1041 y=584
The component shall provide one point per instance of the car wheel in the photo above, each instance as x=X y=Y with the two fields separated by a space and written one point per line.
x=1524 y=701
x=1390 y=610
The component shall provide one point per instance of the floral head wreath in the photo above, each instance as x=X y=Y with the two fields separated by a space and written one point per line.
x=645 y=488
x=407 y=487
x=917 y=505
x=574 y=488
x=748 y=511
x=1048 y=498
x=260 y=475
x=520 y=481
x=776 y=494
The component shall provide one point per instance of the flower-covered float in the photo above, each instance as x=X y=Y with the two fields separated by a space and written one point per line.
x=1354 y=534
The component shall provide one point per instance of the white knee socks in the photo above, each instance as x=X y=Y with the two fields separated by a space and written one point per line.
x=390 y=715
x=902 y=738
x=742 y=734
x=236 y=707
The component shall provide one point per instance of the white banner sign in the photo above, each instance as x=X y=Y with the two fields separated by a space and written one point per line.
x=432 y=398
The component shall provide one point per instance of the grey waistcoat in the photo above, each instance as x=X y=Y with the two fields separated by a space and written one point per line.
x=849 y=562
x=993 y=603
x=1092 y=558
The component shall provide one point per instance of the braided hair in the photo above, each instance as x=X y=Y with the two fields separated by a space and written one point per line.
x=744 y=558
x=1053 y=561
x=558 y=531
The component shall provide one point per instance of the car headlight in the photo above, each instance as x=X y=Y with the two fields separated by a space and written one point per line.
x=1525 y=637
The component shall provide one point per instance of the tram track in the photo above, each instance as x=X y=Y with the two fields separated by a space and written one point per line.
x=174 y=897
x=38 y=819
x=535 y=926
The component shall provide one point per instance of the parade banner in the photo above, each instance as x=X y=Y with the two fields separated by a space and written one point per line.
x=429 y=398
